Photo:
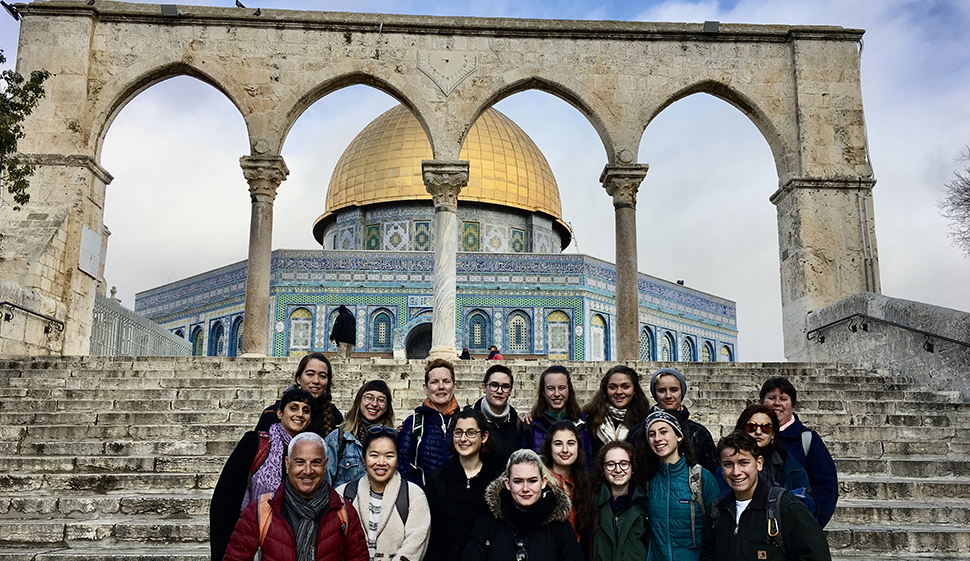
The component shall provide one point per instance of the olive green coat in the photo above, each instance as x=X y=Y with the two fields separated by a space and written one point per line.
x=622 y=536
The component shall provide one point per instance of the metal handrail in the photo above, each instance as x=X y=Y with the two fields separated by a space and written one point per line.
x=56 y=322
x=887 y=322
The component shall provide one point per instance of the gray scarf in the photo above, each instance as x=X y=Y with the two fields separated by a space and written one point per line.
x=497 y=419
x=306 y=513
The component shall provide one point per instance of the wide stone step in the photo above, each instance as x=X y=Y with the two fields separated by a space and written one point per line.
x=122 y=448
x=855 y=511
x=104 y=483
x=111 y=464
x=87 y=506
x=170 y=552
x=870 y=487
x=902 y=466
x=105 y=530
x=896 y=538
x=202 y=433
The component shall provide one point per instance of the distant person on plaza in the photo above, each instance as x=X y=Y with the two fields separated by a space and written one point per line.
x=394 y=512
x=527 y=519
x=555 y=401
x=779 y=469
x=424 y=435
x=494 y=354
x=680 y=490
x=618 y=405
x=753 y=521
x=255 y=467
x=805 y=445
x=315 y=375
x=622 y=527
x=344 y=332
x=308 y=520
x=503 y=419
x=669 y=387
x=456 y=491
x=564 y=457
x=465 y=355
x=372 y=409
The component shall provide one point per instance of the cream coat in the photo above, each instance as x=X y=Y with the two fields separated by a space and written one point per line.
x=396 y=541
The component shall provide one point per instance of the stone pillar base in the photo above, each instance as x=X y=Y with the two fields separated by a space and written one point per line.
x=448 y=353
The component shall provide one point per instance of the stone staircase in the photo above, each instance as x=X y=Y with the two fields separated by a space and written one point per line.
x=115 y=458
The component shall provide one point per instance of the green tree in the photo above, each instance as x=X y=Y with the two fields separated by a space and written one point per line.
x=955 y=205
x=18 y=97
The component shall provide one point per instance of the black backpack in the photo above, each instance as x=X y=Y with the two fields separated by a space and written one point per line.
x=772 y=516
x=402 y=503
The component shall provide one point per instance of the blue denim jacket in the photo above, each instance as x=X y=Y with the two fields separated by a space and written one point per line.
x=349 y=466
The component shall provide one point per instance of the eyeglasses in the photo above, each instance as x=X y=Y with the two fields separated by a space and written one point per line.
x=622 y=465
x=382 y=429
x=766 y=428
x=521 y=554
x=470 y=433
x=496 y=387
x=380 y=399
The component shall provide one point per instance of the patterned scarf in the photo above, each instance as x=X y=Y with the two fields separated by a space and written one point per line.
x=305 y=513
x=613 y=427
x=269 y=475
x=363 y=425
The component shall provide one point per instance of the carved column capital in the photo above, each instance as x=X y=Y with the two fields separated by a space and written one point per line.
x=264 y=175
x=444 y=179
x=622 y=183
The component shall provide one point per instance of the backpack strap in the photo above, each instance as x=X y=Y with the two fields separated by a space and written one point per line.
x=806 y=441
x=342 y=515
x=694 y=480
x=774 y=523
x=403 y=501
x=417 y=429
x=350 y=491
x=264 y=517
x=262 y=451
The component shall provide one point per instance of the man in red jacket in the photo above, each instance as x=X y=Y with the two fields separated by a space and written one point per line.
x=308 y=520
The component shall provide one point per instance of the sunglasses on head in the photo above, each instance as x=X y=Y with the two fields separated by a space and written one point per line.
x=766 y=428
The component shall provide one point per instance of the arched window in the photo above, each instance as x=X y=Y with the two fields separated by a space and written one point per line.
x=597 y=338
x=726 y=354
x=381 y=330
x=646 y=344
x=687 y=350
x=707 y=352
x=197 y=342
x=478 y=332
x=217 y=340
x=518 y=341
x=557 y=340
x=301 y=329
x=235 y=337
x=667 y=348
x=179 y=333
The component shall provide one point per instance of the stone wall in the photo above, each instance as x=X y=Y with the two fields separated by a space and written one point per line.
x=24 y=334
x=872 y=329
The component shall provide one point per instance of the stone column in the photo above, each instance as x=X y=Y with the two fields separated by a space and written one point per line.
x=827 y=251
x=264 y=175
x=621 y=183
x=444 y=180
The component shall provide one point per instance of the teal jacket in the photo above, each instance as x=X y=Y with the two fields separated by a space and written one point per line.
x=669 y=512
x=620 y=537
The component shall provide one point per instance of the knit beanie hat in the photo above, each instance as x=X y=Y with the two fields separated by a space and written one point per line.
x=666 y=417
x=672 y=372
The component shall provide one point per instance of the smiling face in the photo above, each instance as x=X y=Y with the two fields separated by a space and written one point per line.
x=440 y=388
x=468 y=438
x=380 y=461
x=556 y=391
x=525 y=482
x=565 y=448
x=782 y=405
x=305 y=468
x=761 y=421
x=619 y=390
x=372 y=405
x=617 y=471
x=669 y=392
x=664 y=442
x=315 y=377
x=294 y=416
x=498 y=390
x=740 y=469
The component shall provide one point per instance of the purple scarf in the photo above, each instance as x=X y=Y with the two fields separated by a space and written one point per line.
x=269 y=475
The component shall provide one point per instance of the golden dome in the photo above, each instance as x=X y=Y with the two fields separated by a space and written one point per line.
x=383 y=164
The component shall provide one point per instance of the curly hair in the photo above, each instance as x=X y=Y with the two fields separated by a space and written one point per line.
x=636 y=411
x=651 y=462
x=583 y=499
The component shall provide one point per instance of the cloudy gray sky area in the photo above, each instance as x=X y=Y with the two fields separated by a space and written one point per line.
x=179 y=205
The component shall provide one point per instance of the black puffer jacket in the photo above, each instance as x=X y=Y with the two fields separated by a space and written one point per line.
x=456 y=504
x=543 y=529
x=344 y=327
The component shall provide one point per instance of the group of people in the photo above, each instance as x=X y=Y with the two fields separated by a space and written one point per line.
x=616 y=479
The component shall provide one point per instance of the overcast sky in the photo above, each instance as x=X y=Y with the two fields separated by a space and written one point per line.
x=179 y=205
